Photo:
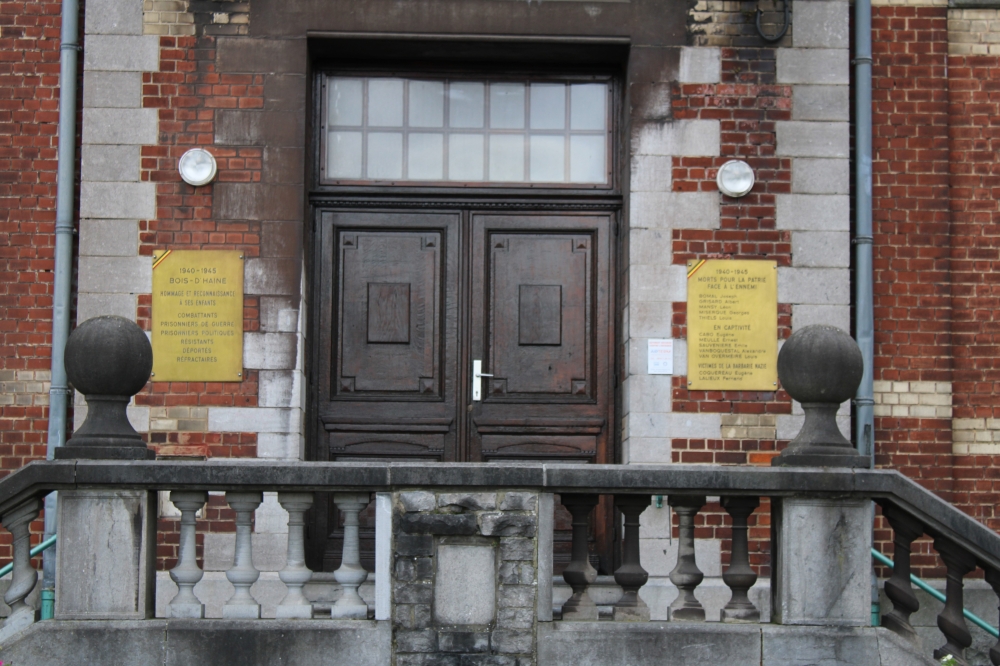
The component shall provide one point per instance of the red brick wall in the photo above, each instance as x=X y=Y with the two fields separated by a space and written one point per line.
x=29 y=113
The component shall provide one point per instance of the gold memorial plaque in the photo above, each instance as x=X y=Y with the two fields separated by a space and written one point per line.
x=732 y=325
x=198 y=316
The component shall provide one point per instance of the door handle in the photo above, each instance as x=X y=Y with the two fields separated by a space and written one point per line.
x=477 y=384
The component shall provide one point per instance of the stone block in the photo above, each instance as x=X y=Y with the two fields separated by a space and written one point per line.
x=813 y=212
x=517 y=549
x=680 y=138
x=90 y=305
x=700 y=64
x=280 y=388
x=512 y=642
x=820 y=176
x=383 y=555
x=465 y=584
x=283 y=164
x=463 y=524
x=648 y=393
x=648 y=450
x=546 y=522
x=833 y=315
x=116 y=275
x=109 y=163
x=473 y=501
x=253 y=128
x=112 y=17
x=118 y=200
x=660 y=282
x=273 y=56
x=500 y=523
x=257 y=201
x=825 y=645
x=416 y=641
x=826 y=249
x=280 y=446
x=418 y=500
x=413 y=593
x=651 y=173
x=254 y=419
x=650 y=320
x=821 y=566
x=270 y=351
x=120 y=126
x=122 y=53
x=272 y=277
x=799 y=138
x=112 y=89
x=650 y=246
x=820 y=103
x=107 y=554
x=109 y=238
x=819 y=286
x=678 y=425
x=813 y=66
x=279 y=314
x=822 y=25
x=675 y=210
x=515 y=501
x=285 y=92
x=414 y=545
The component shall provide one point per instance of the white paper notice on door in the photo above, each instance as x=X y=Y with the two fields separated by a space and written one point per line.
x=661 y=357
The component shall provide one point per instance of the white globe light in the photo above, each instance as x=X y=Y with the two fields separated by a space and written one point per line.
x=197 y=167
x=735 y=178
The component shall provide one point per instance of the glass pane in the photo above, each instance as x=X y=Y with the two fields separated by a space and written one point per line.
x=343 y=155
x=507 y=105
x=548 y=159
x=465 y=156
x=426 y=104
x=548 y=106
x=587 y=163
x=588 y=106
x=385 y=103
x=467 y=101
x=507 y=157
x=425 y=160
x=385 y=155
x=345 y=102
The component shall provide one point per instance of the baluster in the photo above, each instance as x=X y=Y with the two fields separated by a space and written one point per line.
x=351 y=574
x=630 y=575
x=740 y=576
x=187 y=573
x=24 y=576
x=686 y=575
x=905 y=530
x=993 y=578
x=950 y=621
x=243 y=574
x=295 y=574
x=578 y=573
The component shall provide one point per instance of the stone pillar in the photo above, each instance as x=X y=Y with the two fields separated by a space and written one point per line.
x=24 y=577
x=295 y=574
x=350 y=574
x=106 y=555
x=187 y=573
x=821 y=562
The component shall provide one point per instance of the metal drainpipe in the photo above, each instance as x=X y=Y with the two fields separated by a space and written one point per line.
x=59 y=390
x=864 y=316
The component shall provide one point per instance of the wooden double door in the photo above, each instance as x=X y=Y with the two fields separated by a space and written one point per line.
x=412 y=303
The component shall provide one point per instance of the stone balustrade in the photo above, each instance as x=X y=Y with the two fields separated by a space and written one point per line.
x=464 y=552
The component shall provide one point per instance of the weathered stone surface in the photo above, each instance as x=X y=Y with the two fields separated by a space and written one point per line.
x=464 y=641
x=517 y=596
x=506 y=524
x=517 y=549
x=465 y=584
x=514 y=501
x=512 y=642
x=414 y=545
x=473 y=501
x=437 y=523
x=417 y=500
x=105 y=565
x=413 y=593
x=416 y=641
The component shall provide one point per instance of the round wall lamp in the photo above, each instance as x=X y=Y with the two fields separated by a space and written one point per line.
x=735 y=178
x=197 y=167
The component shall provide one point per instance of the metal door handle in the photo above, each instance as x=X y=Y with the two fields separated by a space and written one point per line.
x=477 y=385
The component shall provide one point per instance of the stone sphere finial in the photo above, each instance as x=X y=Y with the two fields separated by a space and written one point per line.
x=108 y=359
x=821 y=367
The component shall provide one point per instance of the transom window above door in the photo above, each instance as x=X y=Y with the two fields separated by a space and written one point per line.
x=452 y=131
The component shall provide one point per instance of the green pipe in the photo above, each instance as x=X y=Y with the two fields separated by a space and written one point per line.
x=982 y=624
x=6 y=569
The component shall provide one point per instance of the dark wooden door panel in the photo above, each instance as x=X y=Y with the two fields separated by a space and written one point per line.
x=388 y=334
x=539 y=311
